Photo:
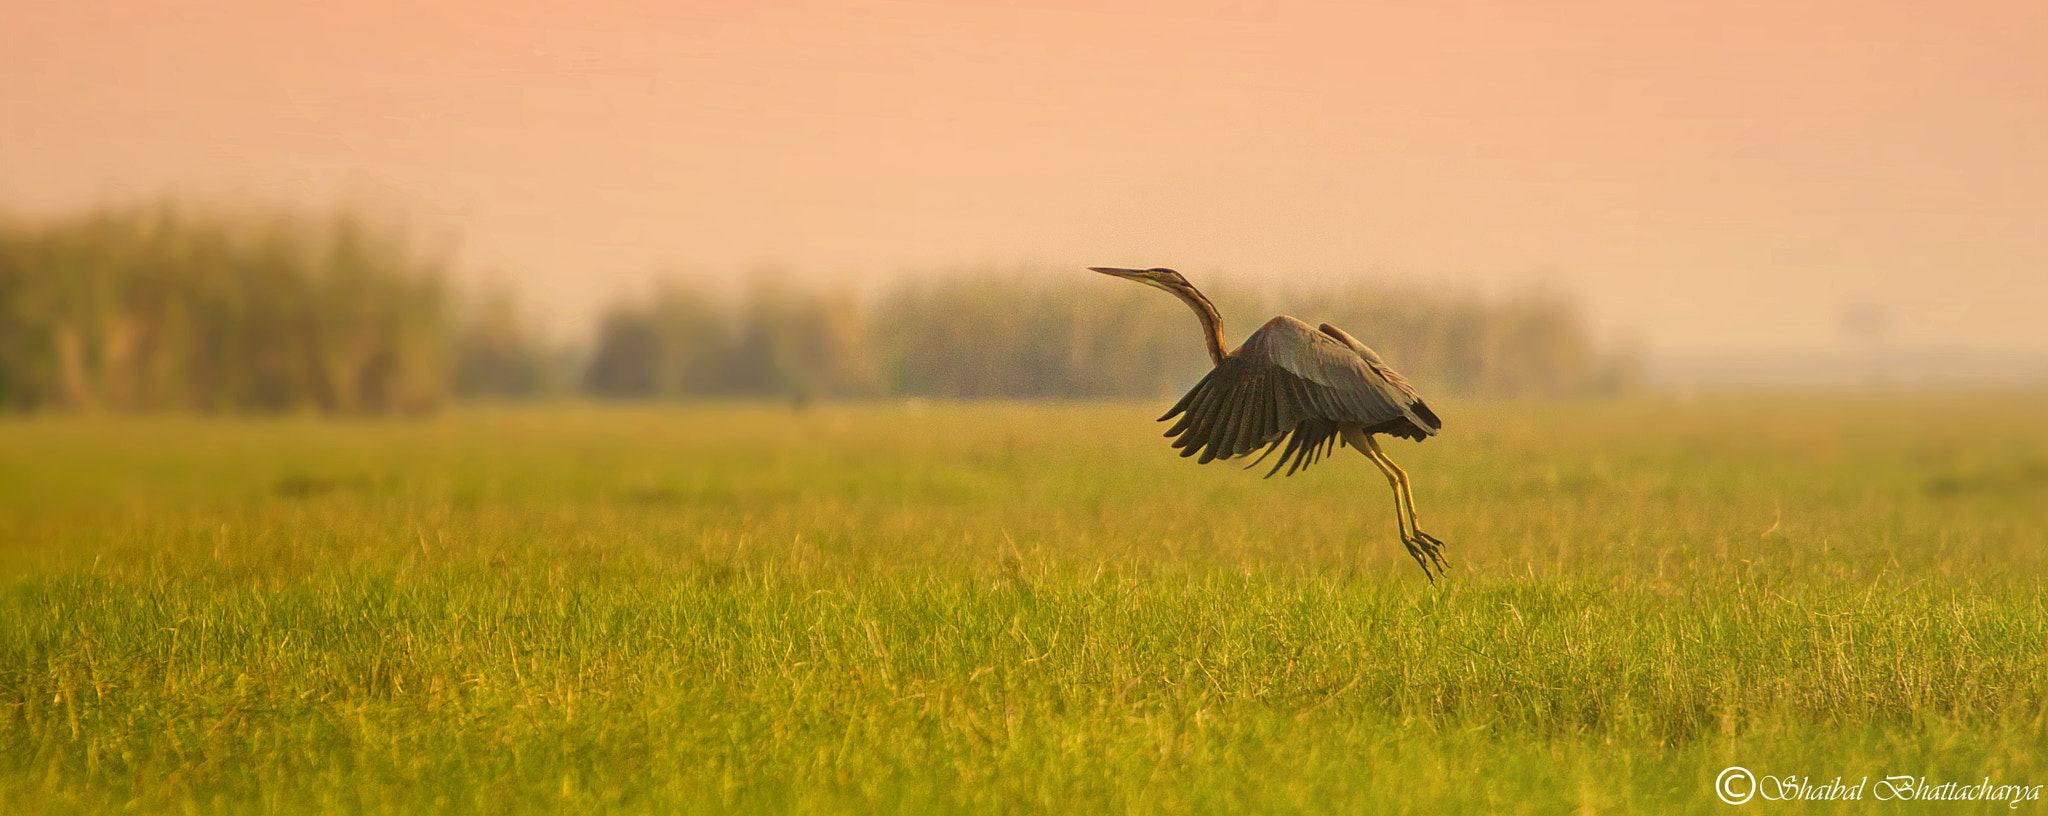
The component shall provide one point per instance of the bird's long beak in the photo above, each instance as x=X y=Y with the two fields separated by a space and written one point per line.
x=1111 y=270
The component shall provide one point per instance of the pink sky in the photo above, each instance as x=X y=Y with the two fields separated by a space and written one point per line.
x=1711 y=175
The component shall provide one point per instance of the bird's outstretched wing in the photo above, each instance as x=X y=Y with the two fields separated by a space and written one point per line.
x=1287 y=379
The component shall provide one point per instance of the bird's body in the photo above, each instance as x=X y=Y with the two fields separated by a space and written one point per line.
x=1308 y=388
x=1291 y=382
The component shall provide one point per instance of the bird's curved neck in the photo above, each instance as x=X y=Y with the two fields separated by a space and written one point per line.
x=1212 y=323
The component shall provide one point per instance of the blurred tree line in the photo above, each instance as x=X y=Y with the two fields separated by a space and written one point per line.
x=158 y=307
x=1081 y=335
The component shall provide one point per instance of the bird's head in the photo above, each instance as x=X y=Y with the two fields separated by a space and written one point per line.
x=1161 y=277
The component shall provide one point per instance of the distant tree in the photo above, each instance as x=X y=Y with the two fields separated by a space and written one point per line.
x=676 y=343
x=157 y=307
x=496 y=355
x=803 y=346
x=627 y=358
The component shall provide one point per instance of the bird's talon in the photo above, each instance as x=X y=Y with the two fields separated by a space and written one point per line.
x=1427 y=550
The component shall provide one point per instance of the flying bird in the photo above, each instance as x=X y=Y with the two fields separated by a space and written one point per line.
x=1309 y=388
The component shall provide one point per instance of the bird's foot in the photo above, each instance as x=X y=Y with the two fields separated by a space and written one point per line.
x=1427 y=550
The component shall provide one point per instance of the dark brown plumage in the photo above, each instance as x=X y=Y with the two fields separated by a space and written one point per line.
x=1290 y=383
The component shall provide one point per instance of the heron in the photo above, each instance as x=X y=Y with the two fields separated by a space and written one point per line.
x=1310 y=388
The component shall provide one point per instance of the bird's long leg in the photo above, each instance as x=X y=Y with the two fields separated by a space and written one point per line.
x=1429 y=544
x=1399 y=478
x=1393 y=481
x=1421 y=547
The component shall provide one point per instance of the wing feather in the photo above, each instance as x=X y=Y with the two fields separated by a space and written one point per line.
x=1226 y=423
x=1249 y=432
x=1244 y=401
x=1213 y=422
x=1260 y=425
x=1200 y=412
x=1219 y=424
x=1293 y=452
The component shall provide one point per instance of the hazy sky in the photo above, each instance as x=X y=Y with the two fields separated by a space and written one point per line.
x=1729 y=174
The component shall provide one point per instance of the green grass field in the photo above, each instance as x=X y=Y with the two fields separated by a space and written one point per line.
x=986 y=608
